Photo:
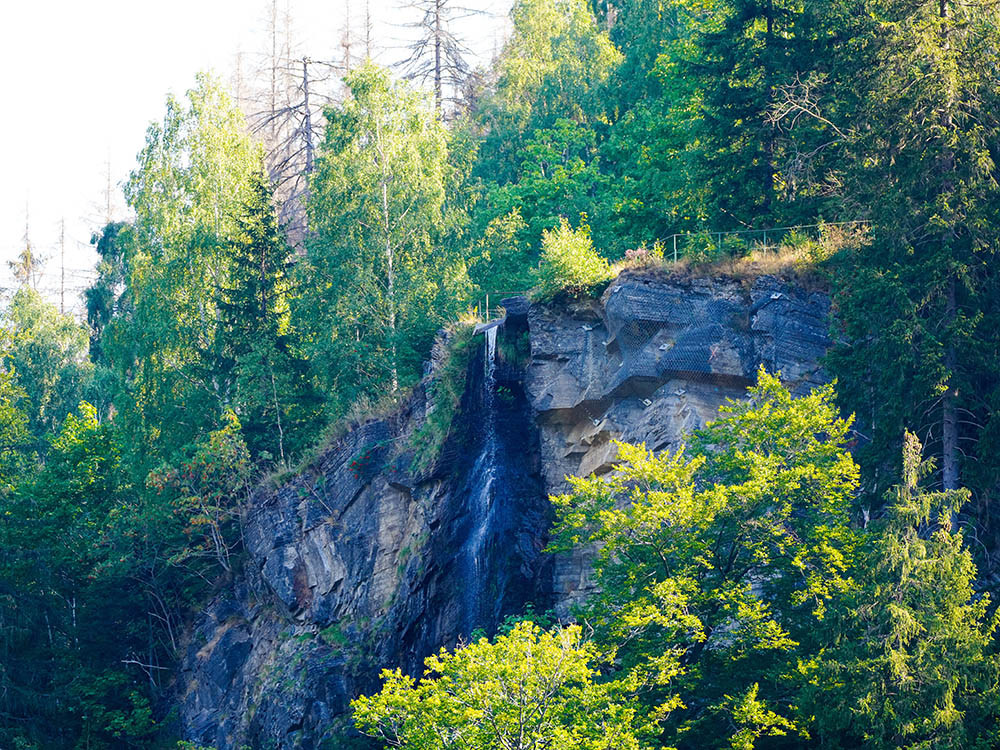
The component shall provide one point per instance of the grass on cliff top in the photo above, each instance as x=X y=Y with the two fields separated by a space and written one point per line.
x=571 y=268
x=800 y=258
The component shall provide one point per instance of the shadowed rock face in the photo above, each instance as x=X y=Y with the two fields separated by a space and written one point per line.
x=359 y=563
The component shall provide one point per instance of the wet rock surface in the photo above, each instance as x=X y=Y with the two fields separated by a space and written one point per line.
x=357 y=563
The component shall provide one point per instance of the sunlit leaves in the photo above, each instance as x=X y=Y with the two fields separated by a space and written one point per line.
x=527 y=689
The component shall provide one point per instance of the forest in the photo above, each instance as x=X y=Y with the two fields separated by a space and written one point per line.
x=813 y=571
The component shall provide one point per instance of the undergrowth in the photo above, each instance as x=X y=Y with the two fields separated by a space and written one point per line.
x=444 y=394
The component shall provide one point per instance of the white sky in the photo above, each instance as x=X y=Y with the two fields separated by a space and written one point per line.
x=82 y=80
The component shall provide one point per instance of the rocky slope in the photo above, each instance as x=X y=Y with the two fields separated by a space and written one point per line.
x=361 y=563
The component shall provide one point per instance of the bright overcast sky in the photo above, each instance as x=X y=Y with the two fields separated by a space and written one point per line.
x=82 y=80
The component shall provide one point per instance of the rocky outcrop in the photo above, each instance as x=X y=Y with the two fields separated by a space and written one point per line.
x=653 y=360
x=360 y=562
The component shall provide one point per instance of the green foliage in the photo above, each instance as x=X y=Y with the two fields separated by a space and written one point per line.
x=528 y=688
x=16 y=441
x=48 y=353
x=192 y=177
x=503 y=257
x=542 y=122
x=267 y=382
x=376 y=283
x=103 y=296
x=925 y=672
x=737 y=604
x=68 y=627
x=444 y=392
x=569 y=264
x=208 y=493
x=917 y=309
x=715 y=571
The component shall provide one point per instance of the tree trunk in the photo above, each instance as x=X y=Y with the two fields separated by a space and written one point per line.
x=438 y=42
x=307 y=122
x=391 y=286
x=949 y=402
x=390 y=280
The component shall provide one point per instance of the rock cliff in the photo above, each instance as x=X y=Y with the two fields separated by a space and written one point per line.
x=360 y=562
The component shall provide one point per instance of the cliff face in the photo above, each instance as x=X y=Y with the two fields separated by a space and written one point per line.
x=360 y=563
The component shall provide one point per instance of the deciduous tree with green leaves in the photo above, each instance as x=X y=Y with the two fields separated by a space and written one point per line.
x=193 y=175
x=48 y=354
x=717 y=564
x=526 y=690
x=376 y=283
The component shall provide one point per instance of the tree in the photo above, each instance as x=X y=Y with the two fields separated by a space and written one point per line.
x=924 y=167
x=376 y=282
x=915 y=664
x=16 y=440
x=48 y=355
x=528 y=689
x=569 y=263
x=208 y=493
x=192 y=176
x=69 y=631
x=716 y=571
x=543 y=119
x=743 y=56
x=266 y=382
x=27 y=268
x=103 y=296
x=438 y=54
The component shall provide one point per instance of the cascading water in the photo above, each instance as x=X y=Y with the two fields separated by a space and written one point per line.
x=497 y=561
x=482 y=490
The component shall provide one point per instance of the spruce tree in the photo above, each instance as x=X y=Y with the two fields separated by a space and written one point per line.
x=914 y=665
x=743 y=55
x=267 y=383
x=918 y=308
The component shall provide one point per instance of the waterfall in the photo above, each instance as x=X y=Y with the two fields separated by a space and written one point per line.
x=491 y=353
x=482 y=491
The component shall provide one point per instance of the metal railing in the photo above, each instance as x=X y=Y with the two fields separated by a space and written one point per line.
x=753 y=238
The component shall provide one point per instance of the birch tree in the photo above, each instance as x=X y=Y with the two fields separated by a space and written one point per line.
x=379 y=282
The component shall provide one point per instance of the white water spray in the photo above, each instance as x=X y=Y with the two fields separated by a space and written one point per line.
x=482 y=488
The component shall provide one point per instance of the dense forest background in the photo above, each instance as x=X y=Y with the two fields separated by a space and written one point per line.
x=289 y=262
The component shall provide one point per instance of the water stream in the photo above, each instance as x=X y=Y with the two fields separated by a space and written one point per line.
x=483 y=483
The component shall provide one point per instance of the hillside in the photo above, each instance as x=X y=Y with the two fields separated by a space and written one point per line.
x=721 y=473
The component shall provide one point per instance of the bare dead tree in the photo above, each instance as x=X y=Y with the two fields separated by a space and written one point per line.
x=62 y=266
x=369 y=32
x=347 y=37
x=438 y=55
x=283 y=100
x=805 y=134
x=299 y=124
